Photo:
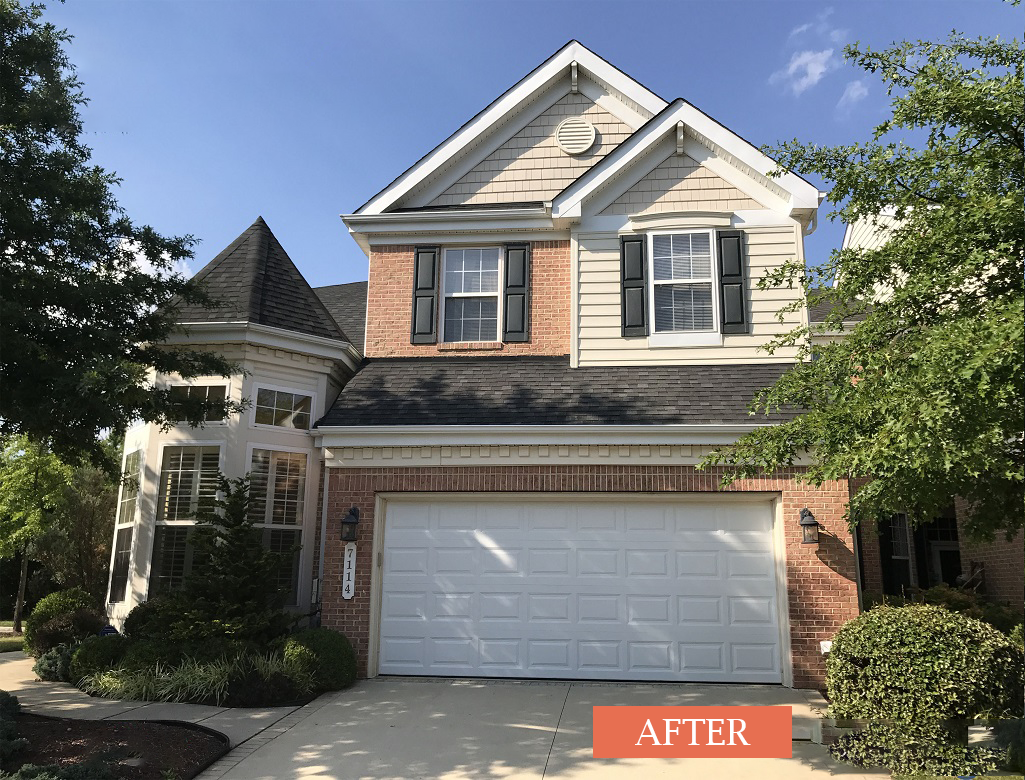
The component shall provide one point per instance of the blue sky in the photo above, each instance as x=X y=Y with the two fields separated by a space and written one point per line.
x=216 y=111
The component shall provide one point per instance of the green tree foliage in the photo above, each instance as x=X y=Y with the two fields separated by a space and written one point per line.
x=925 y=394
x=87 y=297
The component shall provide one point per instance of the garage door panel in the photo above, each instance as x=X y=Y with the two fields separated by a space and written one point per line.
x=593 y=589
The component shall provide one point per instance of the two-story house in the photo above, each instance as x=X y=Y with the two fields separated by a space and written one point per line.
x=562 y=318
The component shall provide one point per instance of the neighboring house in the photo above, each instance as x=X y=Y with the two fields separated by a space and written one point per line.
x=894 y=558
x=562 y=319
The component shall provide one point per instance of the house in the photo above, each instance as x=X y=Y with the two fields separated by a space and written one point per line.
x=562 y=318
x=895 y=558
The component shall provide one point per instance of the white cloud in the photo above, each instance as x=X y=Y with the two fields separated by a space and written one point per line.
x=821 y=28
x=805 y=70
x=855 y=92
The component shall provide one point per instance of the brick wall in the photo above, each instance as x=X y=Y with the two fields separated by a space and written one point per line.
x=820 y=580
x=1003 y=561
x=390 y=305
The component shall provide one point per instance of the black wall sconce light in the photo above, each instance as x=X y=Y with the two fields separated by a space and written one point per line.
x=809 y=527
x=349 y=525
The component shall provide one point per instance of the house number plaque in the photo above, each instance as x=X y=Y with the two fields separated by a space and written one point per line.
x=349 y=571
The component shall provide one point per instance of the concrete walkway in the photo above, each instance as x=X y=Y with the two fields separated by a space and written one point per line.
x=406 y=728
x=65 y=701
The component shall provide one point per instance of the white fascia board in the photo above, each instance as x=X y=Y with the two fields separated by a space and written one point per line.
x=455 y=435
x=266 y=336
x=439 y=225
x=508 y=103
x=569 y=203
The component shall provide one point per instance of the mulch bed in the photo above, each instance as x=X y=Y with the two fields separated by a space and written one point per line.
x=138 y=750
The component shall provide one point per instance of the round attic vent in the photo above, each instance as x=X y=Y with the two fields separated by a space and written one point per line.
x=575 y=135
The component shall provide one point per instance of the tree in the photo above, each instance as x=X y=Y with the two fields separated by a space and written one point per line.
x=87 y=297
x=924 y=396
x=32 y=487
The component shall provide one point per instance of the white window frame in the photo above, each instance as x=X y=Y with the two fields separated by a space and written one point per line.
x=306 y=535
x=221 y=447
x=900 y=521
x=201 y=382
x=445 y=295
x=311 y=394
x=712 y=338
x=132 y=523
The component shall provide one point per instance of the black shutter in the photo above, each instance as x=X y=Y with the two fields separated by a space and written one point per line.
x=633 y=272
x=516 y=326
x=732 y=289
x=425 y=295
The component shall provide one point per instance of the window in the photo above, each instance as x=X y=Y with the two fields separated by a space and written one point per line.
x=181 y=393
x=129 y=488
x=277 y=486
x=188 y=482
x=899 y=538
x=683 y=267
x=471 y=294
x=120 y=567
x=284 y=409
x=287 y=543
x=172 y=559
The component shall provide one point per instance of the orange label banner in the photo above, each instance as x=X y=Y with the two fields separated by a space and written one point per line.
x=693 y=732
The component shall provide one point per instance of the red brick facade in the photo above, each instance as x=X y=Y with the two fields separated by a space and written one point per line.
x=390 y=306
x=820 y=579
x=1003 y=562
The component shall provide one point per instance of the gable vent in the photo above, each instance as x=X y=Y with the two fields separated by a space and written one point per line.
x=574 y=135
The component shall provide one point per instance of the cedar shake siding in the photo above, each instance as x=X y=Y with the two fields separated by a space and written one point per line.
x=390 y=306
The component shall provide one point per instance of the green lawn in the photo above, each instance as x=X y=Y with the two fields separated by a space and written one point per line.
x=7 y=623
x=9 y=644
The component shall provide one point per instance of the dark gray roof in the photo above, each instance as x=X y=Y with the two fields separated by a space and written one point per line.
x=347 y=303
x=546 y=391
x=820 y=306
x=253 y=280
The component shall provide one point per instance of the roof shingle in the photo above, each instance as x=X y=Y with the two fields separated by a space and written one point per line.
x=253 y=280
x=546 y=391
x=347 y=303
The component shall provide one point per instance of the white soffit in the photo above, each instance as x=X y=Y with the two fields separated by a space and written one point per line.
x=728 y=155
x=637 y=103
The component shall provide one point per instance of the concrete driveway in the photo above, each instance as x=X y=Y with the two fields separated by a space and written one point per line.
x=401 y=729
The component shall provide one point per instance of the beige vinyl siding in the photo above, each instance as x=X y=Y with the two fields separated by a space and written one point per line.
x=869 y=232
x=680 y=183
x=530 y=166
x=598 y=323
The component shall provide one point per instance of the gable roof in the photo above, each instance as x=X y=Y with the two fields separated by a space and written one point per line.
x=740 y=155
x=546 y=391
x=347 y=304
x=498 y=110
x=254 y=280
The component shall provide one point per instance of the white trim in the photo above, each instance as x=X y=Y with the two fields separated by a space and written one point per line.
x=431 y=435
x=697 y=338
x=507 y=104
x=376 y=585
x=779 y=543
x=266 y=336
x=315 y=412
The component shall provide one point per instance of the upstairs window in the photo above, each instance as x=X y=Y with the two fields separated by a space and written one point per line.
x=283 y=409
x=188 y=482
x=181 y=393
x=471 y=290
x=683 y=270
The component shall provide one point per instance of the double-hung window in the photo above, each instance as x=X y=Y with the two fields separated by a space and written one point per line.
x=277 y=491
x=683 y=277
x=471 y=294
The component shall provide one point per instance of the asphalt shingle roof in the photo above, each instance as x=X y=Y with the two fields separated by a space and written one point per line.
x=546 y=391
x=820 y=307
x=347 y=303
x=254 y=280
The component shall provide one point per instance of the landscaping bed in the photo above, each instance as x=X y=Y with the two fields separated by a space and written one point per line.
x=133 y=750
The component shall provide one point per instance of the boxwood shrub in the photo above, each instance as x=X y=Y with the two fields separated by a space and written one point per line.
x=326 y=654
x=918 y=674
x=54 y=605
x=55 y=664
x=68 y=629
x=97 y=654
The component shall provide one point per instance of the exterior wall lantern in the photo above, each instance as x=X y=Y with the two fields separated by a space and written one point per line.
x=809 y=527
x=349 y=525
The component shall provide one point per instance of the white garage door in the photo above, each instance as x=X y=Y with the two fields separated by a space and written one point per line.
x=587 y=588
